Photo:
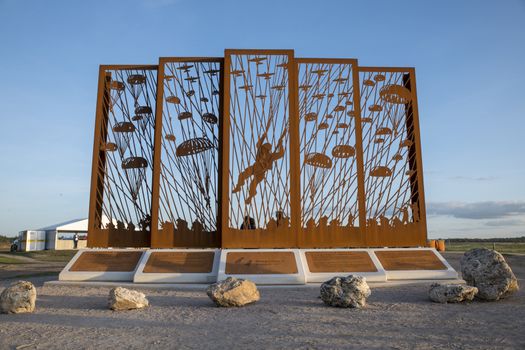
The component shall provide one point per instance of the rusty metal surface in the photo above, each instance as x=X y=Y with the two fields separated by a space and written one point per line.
x=330 y=154
x=120 y=202
x=258 y=149
x=395 y=210
x=187 y=173
x=257 y=201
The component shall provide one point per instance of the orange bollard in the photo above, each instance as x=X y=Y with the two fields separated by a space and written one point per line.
x=431 y=243
x=440 y=245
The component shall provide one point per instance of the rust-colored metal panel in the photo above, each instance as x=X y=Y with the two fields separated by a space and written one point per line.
x=260 y=263
x=107 y=261
x=256 y=150
x=259 y=195
x=337 y=261
x=180 y=262
x=186 y=193
x=120 y=199
x=393 y=175
x=409 y=260
x=330 y=157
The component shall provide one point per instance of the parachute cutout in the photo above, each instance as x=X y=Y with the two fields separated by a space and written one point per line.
x=318 y=160
x=381 y=171
x=109 y=147
x=197 y=147
x=395 y=94
x=122 y=131
x=343 y=151
x=318 y=163
x=136 y=83
x=143 y=116
x=116 y=88
x=135 y=168
x=209 y=118
x=193 y=146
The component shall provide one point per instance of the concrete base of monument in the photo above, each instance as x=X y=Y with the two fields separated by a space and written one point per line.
x=102 y=265
x=322 y=264
x=178 y=266
x=263 y=266
x=414 y=263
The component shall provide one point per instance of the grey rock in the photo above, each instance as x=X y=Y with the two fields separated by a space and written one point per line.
x=126 y=299
x=233 y=292
x=18 y=298
x=351 y=291
x=451 y=293
x=487 y=270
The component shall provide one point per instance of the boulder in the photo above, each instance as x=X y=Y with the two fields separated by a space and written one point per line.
x=18 y=298
x=126 y=299
x=351 y=291
x=451 y=293
x=488 y=271
x=233 y=292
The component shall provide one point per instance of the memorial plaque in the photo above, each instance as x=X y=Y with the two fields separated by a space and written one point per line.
x=409 y=260
x=117 y=261
x=260 y=263
x=337 y=261
x=180 y=262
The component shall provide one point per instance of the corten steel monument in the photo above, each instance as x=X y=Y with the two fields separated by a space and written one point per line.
x=256 y=149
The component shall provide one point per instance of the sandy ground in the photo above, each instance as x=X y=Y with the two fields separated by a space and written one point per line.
x=397 y=317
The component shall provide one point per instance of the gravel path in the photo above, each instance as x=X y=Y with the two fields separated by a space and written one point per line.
x=398 y=317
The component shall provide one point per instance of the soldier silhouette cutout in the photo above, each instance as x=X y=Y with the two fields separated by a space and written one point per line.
x=248 y=223
x=351 y=220
x=264 y=159
x=404 y=212
x=415 y=212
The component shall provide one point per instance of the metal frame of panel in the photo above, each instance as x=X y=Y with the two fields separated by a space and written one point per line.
x=393 y=173
x=120 y=196
x=332 y=165
x=187 y=172
x=332 y=197
x=259 y=139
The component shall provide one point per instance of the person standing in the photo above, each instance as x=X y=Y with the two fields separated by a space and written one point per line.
x=75 y=241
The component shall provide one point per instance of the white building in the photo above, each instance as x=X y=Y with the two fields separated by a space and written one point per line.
x=55 y=237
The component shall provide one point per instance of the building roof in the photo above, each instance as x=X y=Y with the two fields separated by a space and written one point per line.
x=71 y=225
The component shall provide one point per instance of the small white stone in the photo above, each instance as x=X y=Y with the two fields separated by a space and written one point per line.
x=126 y=299
x=20 y=297
x=351 y=291
x=451 y=293
x=233 y=292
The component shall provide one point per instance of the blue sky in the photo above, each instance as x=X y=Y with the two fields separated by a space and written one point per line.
x=469 y=58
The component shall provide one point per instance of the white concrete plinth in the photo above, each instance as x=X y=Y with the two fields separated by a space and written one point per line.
x=196 y=271
x=262 y=266
x=447 y=272
x=313 y=275
x=98 y=273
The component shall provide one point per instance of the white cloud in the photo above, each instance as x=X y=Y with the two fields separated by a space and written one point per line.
x=503 y=223
x=477 y=210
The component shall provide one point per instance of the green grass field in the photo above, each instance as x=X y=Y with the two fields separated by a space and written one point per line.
x=49 y=255
x=507 y=248
x=10 y=260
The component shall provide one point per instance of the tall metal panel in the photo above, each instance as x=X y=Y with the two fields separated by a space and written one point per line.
x=395 y=205
x=260 y=186
x=330 y=154
x=186 y=191
x=121 y=182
